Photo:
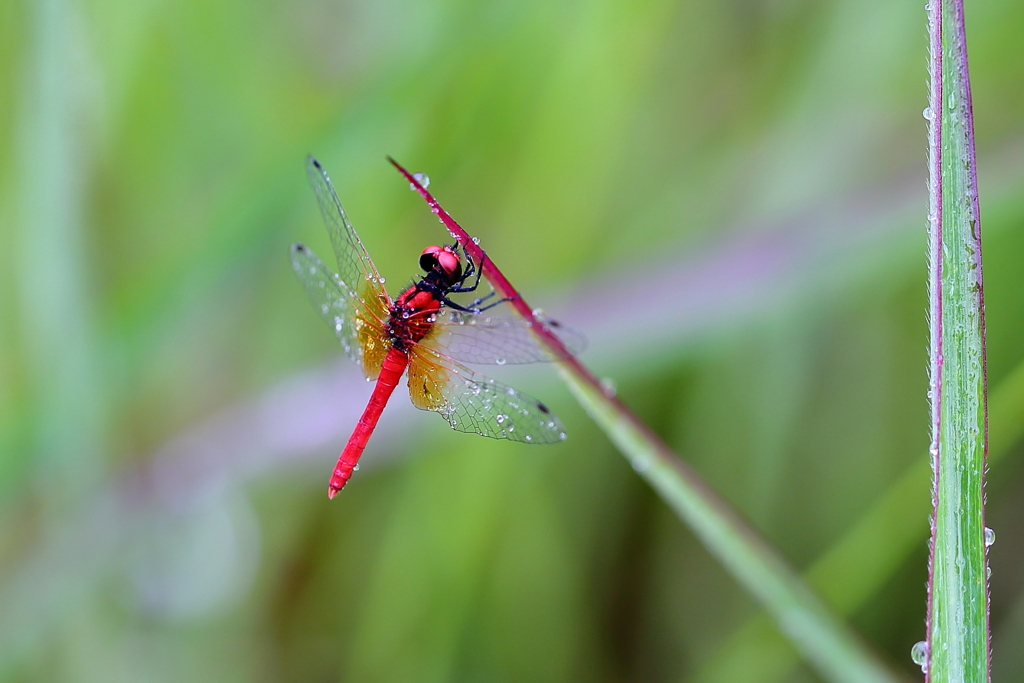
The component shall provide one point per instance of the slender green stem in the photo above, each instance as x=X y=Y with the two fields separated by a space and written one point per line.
x=828 y=643
x=957 y=646
x=870 y=552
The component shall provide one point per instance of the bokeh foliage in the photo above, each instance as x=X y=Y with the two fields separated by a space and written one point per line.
x=151 y=180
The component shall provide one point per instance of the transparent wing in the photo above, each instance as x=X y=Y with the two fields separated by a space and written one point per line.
x=354 y=264
x=356 y=318
x=476 y=404
x=494 y=340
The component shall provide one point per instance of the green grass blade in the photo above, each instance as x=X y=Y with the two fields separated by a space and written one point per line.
x=56 y=308
x=859 y=564
x=957 y=646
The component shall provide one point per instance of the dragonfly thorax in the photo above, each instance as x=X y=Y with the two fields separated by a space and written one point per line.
x=412 y=316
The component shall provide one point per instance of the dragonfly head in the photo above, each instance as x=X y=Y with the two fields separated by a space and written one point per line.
x=444 y=260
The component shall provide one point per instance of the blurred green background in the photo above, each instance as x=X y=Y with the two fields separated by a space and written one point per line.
x=728 y=198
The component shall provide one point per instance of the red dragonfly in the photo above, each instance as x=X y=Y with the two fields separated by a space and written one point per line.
x=425 y=332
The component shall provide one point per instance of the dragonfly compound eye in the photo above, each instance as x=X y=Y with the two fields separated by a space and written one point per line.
x=428 y=259
x=446 y=259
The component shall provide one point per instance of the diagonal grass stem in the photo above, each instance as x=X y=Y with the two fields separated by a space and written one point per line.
x=828 y=643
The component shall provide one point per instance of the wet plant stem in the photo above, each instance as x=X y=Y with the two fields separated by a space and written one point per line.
x=957 y=645
x=825 y=641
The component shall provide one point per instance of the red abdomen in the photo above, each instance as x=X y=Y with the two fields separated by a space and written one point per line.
x=390 y=373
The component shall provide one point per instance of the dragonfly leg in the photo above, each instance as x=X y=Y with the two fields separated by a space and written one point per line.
x=475 y=307
x=477 y=302
x=457 y=306
x=479 y=309
x=471 y=268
